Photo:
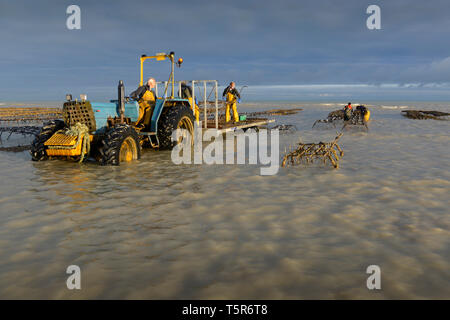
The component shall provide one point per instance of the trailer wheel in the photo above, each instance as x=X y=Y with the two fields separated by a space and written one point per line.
x=37 y=147
x=120 y=144
x=173 y=118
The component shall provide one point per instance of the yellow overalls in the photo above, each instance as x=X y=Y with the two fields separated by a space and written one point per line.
x=146 y=104
x=231 y=102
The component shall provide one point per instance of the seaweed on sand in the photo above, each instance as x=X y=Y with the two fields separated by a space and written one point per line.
x=422 y=115
x=310 y=152
x=357 y=119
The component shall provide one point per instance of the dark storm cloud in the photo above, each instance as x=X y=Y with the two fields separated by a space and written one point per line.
x=254 y=42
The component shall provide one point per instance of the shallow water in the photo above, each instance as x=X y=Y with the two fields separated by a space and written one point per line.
x=152 y=229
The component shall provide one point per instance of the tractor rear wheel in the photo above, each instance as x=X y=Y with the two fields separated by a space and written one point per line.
x=37 y=147
x=120 y=144
x=173 y=118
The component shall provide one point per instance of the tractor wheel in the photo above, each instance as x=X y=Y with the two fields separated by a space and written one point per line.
x=120 y=144
x=176 y=117
x=37 y=147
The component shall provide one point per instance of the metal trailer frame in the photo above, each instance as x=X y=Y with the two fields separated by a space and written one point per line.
x=205 y=83
x=215 y=88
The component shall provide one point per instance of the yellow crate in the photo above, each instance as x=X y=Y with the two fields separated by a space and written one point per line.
x=71 y=149
x=64 y=152
x=60 y=139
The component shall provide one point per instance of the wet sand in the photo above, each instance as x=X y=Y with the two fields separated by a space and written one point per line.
x=155 y=230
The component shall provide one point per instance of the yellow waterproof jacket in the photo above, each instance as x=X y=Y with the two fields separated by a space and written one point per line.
x=148 y=99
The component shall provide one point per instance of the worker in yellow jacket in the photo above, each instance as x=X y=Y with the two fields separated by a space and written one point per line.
x=232 y=96
x=365 y=113
x=146 y=97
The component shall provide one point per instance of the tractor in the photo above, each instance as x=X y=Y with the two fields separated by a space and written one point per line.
x=108 y=132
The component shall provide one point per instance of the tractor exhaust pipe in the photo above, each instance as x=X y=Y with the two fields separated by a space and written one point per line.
x=121 y=98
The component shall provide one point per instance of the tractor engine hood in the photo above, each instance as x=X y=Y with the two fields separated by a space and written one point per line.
x=104 y=110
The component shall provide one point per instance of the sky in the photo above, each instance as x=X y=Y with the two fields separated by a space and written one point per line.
x=285 y=49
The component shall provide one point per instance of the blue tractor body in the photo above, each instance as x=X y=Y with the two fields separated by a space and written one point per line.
x=104 y=110
x=115 y=131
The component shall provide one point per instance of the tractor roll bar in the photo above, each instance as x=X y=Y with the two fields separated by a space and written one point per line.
x=159 y=57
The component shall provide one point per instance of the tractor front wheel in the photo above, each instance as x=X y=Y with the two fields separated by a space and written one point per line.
x=120 y=144
x=173 y=118
x=37 y=147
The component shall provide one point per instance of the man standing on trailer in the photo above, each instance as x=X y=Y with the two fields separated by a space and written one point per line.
x=232 y=95
x=146 y=97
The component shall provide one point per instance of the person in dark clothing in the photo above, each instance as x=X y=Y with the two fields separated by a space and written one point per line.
x=364 y=112
x=186 y=93
x=146 y=97
x=231 y=89
x=362 y=109
x=348 y=111
x=148 y=86
x=231 y=95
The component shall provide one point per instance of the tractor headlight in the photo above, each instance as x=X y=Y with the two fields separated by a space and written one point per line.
x=83 y=97
x=68 y=97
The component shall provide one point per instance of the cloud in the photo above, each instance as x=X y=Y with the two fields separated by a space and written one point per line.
x=278 y=42
x=441 y=66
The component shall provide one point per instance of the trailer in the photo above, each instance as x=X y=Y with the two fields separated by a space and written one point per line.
x=211 y=108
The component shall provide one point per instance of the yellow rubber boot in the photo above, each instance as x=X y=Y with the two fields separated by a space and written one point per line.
x=235 y=113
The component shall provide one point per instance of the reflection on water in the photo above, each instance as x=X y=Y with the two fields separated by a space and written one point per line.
x=151 y=229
